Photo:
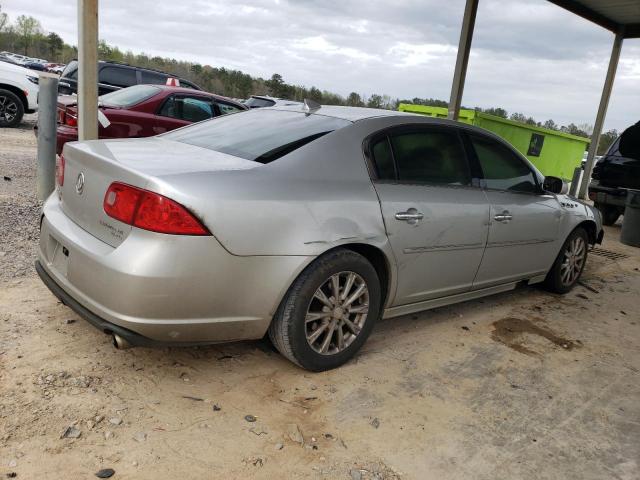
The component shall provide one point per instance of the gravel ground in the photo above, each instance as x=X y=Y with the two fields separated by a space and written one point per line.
x=19 y=206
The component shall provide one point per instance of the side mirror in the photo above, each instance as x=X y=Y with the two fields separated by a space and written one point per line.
x=555 y=185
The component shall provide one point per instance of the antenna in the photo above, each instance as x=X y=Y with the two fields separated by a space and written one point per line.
x=310 y=105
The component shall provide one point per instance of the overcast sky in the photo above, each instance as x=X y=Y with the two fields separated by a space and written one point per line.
x=528 y=56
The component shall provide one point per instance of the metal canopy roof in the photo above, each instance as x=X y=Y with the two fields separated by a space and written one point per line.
x=615 y=15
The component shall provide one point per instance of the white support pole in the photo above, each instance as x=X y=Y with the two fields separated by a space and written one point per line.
x=47 y=109
x=602 y=113
x=87 y=69
x=460 y=72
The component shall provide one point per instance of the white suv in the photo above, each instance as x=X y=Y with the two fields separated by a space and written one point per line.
x=18 y=93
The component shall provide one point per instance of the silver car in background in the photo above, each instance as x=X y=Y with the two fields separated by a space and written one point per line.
x=308 y=224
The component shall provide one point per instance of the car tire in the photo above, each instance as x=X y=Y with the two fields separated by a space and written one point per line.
x=305 y=320
x=610 y=213
x=569 y=263
x=11 y=109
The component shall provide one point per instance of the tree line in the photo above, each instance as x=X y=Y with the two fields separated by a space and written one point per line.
x=26 y=36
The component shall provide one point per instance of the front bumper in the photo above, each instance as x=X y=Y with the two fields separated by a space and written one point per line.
x=156 y=289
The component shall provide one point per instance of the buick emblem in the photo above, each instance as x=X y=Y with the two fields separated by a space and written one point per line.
x=80 y=183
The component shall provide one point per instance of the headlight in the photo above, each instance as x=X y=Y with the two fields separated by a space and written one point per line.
x=32 y=79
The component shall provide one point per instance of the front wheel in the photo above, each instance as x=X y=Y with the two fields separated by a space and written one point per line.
x=329 y=311
x=570 y=262
x=11 y=109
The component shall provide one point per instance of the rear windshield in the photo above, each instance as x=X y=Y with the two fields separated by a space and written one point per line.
x=70 y=71
x=254 y=102
x=259 y=135
x=129 y=96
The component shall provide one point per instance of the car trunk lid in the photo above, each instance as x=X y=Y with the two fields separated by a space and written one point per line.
x=91 y=167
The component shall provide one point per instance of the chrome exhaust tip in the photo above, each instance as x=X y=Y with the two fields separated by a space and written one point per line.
x=120 y=343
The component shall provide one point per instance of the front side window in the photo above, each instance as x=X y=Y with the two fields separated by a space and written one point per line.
x=187 y=109
x=227 y=108
x=259 y=135
x=430 y=157
x=502 y=169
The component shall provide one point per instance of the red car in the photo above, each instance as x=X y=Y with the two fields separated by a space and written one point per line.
x=144 y=111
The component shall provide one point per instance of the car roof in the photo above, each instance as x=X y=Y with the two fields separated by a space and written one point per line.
x=191 y=91
x=352 y=114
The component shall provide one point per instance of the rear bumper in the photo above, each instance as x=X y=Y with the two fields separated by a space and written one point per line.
x=156 y=289
x=100 y=323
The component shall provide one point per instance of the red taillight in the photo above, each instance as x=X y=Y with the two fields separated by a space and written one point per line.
x=70 y=120
x=60 y=171
x=150 y=211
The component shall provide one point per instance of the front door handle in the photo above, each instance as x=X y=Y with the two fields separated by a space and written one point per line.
x=504 y=217
x=411 y=216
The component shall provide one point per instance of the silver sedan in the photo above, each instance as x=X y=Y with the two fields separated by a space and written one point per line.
x=306 y=223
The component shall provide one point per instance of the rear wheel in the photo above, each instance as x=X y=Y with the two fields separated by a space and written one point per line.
x=329 y=311
x=570 y=262
x=11 y=109
x=610 y=213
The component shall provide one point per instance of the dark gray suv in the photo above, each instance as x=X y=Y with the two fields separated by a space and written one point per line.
x=114 y=76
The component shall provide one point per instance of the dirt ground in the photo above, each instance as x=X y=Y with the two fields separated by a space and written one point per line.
x=516 y=386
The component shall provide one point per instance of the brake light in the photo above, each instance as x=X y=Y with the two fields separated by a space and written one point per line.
x=70 y=120
x=60 y=171
x=150 y=211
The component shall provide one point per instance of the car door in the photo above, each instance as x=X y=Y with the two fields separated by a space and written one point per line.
x=524 y=221
x=435 y=214
x=179 y=110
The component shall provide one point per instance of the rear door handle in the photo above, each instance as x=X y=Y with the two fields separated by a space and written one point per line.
x=411 y=216
x=504 y=217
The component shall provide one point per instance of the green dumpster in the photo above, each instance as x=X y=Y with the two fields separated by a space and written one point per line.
x=552 y=152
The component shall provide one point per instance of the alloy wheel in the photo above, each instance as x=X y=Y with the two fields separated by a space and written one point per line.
x=573 y=261
x=8 y=109
x=337 y=312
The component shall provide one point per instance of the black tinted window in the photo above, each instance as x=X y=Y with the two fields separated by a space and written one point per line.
x=187 y=108
x=383 y=159
x=120 y=77
x=153 y=78
x=502 y=169
x=259 y=135
x=431 y=156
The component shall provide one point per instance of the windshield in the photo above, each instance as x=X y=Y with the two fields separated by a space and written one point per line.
x=259 y=135
x=129 y=96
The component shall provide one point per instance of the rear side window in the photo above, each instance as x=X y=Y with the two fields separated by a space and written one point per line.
x=153 y=78
x=259 y=135
x=383 y=159
x=187 y=109
x=422 y=156
x=117 y=76
x=431 y=157
x=501 y=168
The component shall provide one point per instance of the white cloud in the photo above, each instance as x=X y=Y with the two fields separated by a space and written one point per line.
x=528 y=56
